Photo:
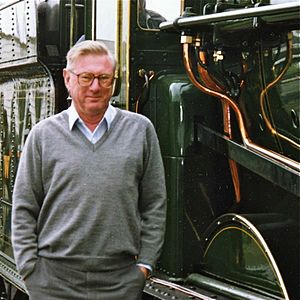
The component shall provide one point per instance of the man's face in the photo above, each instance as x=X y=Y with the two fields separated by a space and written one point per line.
x=89 y=101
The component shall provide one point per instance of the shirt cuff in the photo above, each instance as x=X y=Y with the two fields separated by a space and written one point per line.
x=148 y=267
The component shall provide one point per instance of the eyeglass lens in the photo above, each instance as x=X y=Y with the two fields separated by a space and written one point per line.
x=86 y=79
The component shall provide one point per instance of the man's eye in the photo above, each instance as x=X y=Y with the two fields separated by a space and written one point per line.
x=86 y=77
x=106 y=79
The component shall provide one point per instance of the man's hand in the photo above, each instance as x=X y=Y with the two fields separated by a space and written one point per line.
x=145 y=271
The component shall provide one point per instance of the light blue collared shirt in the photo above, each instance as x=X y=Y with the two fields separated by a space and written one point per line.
x=101 y=128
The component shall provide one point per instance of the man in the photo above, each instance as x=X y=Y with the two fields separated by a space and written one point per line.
x=88 y=211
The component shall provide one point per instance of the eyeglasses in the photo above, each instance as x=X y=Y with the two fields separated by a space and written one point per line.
x=86 y=79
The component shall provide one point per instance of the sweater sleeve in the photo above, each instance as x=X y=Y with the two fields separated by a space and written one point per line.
x=27 y=195
x=152 y=202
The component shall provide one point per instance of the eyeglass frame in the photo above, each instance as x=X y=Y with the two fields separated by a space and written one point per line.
x=98 y=77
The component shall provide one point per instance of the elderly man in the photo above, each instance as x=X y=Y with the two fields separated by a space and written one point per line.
x=89 y=199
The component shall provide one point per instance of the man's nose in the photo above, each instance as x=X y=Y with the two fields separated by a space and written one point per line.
x=95 y=84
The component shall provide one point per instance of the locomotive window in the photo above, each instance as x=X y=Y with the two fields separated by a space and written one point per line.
x=106 y=22
x=152 y=12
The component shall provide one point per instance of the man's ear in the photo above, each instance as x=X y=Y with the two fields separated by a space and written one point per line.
x=66 y=76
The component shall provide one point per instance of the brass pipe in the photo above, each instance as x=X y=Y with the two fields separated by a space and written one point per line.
x=269 y=86
x=246 y=140
x=6 y=161
x=72 y=22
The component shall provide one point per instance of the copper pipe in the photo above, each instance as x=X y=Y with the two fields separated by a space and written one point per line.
x=205 y=76
x=187 y=64
x=244 y=134
x=209 y=82
x=235 y=180
x=232 y=164
x=269 y=86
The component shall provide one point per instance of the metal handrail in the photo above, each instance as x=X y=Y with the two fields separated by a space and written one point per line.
x=283 y=10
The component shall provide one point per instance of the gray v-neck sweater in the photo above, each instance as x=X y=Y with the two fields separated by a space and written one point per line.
x=93 y=205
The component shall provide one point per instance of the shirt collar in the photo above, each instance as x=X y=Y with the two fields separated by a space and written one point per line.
x=109 y=115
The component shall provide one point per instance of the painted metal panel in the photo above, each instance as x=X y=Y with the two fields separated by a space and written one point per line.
x=18 y=34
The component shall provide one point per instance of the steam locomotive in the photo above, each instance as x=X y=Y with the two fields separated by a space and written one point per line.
x=219 y=79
